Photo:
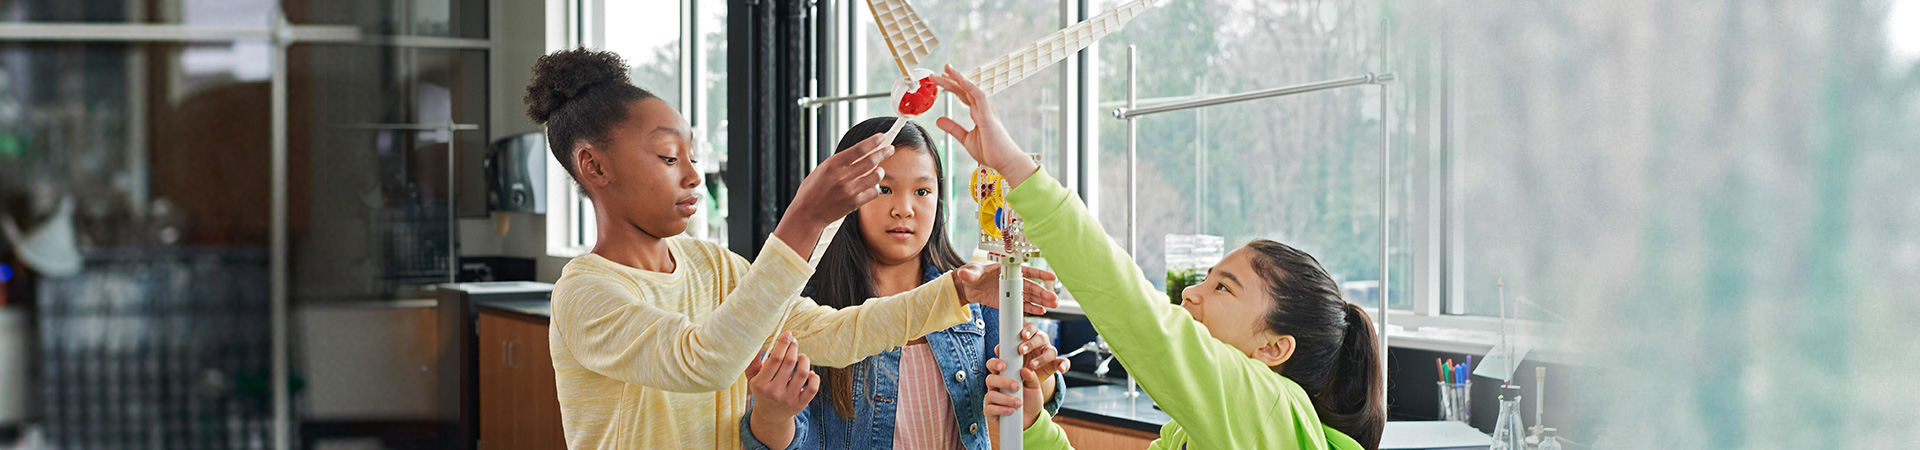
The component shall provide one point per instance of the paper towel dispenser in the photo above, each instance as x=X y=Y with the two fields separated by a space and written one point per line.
x=517 y=174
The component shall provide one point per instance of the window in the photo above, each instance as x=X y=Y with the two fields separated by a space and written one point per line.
x=677 y=50
x=1301 y=169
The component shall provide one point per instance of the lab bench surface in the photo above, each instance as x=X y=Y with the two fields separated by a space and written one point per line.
x=537 y=311
x=1105 y=417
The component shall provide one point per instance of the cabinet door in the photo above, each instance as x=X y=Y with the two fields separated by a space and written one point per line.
x=495 y=355
x=1084 y=434
x=536 y=400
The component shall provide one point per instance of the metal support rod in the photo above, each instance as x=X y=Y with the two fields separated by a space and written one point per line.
x=453 y=208
x=277 y=250
x=162 y=32
x=157 y=32
x=815 y=102
x=1386 y=167
x=1133 y=179
x=1130 y=112
x=453 y=211
x=409 y=127
x=1011 y=321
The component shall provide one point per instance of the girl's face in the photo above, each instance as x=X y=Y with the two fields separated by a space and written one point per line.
x=1233 y=303
x=648 y=178
x=896 y=225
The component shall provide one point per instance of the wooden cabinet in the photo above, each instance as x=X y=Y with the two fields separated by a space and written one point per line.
x=519 y=407
x=1084 y=434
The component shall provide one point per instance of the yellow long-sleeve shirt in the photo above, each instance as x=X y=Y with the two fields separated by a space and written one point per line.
x=647 y=360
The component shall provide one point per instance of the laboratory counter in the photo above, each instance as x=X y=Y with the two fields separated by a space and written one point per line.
x=1104 y=416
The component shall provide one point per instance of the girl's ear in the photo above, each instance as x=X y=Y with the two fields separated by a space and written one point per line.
x=1276 y=351
x=587 y=164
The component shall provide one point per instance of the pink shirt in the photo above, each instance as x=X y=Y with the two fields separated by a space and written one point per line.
x=924 y=419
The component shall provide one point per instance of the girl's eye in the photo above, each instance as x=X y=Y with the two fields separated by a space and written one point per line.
x=670 y=160
x=923 y=192
x=886 y=190
x=1220 y=287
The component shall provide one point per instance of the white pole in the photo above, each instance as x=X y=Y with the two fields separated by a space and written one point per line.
x=277 y=247
x=1011 y=320
x=1133 y=182
x=1385 y=169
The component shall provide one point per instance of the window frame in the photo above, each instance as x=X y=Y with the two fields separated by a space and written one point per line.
x=571 y=227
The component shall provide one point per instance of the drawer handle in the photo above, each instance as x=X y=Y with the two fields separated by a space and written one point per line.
x=506 y=353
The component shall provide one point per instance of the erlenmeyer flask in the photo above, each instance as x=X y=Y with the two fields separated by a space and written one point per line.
x=1508 y=432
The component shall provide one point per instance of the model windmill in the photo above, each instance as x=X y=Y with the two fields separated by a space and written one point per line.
x=909 y=39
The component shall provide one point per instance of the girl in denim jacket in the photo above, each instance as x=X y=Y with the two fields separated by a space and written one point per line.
x=928 y=393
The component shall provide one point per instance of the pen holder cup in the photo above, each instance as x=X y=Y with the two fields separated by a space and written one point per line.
x=1455 y=400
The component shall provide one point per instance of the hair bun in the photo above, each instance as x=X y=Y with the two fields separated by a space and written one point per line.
x=560 y=76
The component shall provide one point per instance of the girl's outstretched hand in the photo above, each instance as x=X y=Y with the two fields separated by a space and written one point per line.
x=980 y=283
x=841 y=184
x=781 y=387
x=988 y=141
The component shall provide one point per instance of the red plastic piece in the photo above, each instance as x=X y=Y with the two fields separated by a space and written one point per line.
x=921 y=99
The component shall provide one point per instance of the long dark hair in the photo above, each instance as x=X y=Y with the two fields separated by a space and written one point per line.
x=845 y=275
x=580 y=95
x=1336 y=357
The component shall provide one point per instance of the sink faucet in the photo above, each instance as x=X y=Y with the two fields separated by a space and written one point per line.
x=1104 y=355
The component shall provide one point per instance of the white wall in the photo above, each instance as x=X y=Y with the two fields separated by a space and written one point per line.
x=519 y=32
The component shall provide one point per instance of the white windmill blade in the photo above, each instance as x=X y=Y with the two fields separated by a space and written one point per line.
x=907 y=36
x=1013 y=67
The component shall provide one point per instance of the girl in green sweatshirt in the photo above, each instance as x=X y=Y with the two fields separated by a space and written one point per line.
x=1263 y=354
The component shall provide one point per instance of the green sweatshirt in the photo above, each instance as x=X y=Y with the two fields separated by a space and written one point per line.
x=1217 y=396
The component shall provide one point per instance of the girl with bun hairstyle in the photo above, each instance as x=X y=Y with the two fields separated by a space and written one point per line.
x=1264 y=353
x=655 y=336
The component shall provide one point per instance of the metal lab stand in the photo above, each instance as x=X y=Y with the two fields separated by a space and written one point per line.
x=1131 y=113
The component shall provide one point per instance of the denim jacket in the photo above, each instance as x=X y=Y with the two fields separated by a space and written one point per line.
x=962 y=351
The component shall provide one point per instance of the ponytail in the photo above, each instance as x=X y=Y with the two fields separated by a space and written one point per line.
x=1352 y=401
x=1337 y=358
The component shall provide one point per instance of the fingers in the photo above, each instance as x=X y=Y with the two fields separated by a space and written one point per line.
x=870 y=179
x=1059 y=365
x=785 y=352
x=801 y=373
x=952 y=128
x=966 y=275
x=1028 y=379
x=990 y=270
x=868 y=186
x=996 y=365
x=1000 y=383
x=1037 y=274
x=874 y=143
x=813 y=387
x=1037 y=350
x=864 y=148
x=1003 y=395
x=753 y=366
x=953 y=81
x=1047 y=361
x=773 y=363
x=871 y=161
x=1038 y=297
x=1001 y=403
x=1033 y=343
x=952 y=85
